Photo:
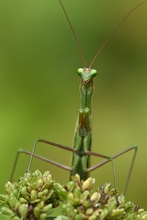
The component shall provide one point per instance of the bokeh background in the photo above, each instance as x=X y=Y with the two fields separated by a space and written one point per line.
x=39 y=87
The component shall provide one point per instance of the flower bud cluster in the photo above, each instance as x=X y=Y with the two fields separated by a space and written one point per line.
x=35 y=195
x=83 y=202
x=32 y=197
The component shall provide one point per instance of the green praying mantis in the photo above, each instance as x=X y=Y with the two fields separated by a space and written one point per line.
x=83 y=134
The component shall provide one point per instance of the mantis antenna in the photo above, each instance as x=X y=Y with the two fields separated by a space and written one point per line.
x=107 y=40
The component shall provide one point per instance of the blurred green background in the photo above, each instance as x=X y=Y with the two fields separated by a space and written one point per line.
x=39 y=87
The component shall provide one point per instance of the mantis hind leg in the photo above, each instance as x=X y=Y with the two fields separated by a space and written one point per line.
x=32 y=154
x=134 y=147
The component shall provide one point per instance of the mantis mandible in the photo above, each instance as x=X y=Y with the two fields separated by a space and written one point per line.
x=83 y=135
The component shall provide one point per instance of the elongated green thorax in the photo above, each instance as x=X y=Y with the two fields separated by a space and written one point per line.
x=83 y=134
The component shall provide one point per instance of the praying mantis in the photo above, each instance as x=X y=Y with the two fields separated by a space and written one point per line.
x=83 y=135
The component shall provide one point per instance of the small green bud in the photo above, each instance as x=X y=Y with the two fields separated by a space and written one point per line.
x=47 y=177
x=43 y=216
x=22 y=200
x=80 y=216
x=34 y=185
x=45 y=192
x=87 y=183
x=7 y=212
x=77 y=192
x=41 y=204
x=86 y=203
x=69 y=210
x=92 y=217
x=36 y=174
x=60 y=191
x=17 y=205
x=113 y=192
x=107 y=187
x=140 y=211
x=33 y=195
x=3 y=198
x=142 y=214
x=8 y=187
x=89 y=211
x=144 y=217
x=104 y=213
x=15 y=192
x=117 y=212
x=24 y=192
x=37 y=211
x=95 y=197
x=40 y=183
x=16 y=218
x=70 y=197
x=13 y=201
x=76 y=178
x=129 y=216
x=69 y=185
x=62 y=217
x=48 y=209
x=40 y=195
x=23 y=210
x=112 y=203
x=86 y=194
x=121 y=200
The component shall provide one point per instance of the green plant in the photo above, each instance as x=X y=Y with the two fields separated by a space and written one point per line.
x=36 y=195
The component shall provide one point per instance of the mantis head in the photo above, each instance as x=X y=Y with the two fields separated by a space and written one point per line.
x=87 y=74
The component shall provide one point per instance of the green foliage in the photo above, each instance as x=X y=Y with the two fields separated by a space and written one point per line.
x=36 y=195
